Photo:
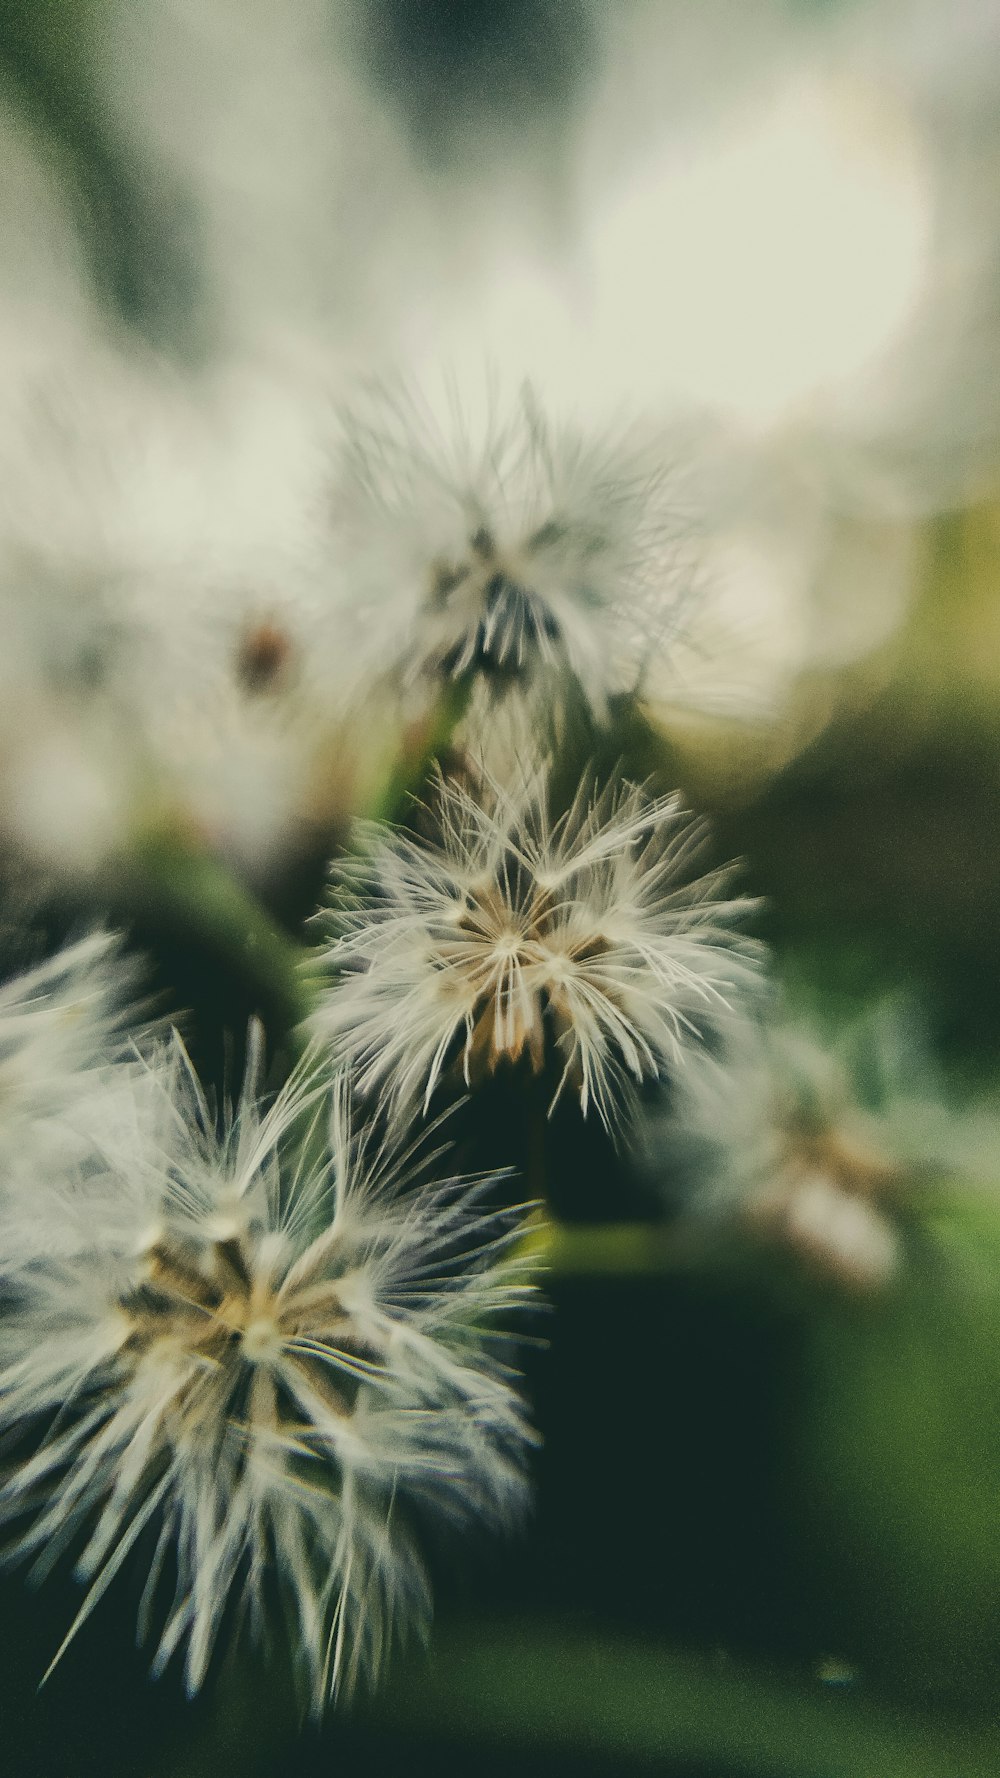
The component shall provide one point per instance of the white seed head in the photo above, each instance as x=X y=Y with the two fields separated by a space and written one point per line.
x=814 y=1144
x=293 y=1360
x=585 y=939
x=508 y=544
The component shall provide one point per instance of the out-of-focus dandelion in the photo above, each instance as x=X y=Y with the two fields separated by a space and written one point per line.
x=274 y=1362
x=505 y=544
x=517 y=933
x=817 y=1145
x=164 y=624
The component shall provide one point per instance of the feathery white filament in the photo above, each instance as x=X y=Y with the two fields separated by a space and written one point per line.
x=63 y=1037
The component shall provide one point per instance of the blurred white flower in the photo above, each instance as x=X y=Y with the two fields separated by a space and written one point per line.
x=584 y=937
x=276 y=1363
x=815 y=1144
x=152 y=538
x=469 y=537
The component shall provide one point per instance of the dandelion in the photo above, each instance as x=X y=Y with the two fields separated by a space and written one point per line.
x=515 y=549
x=514 y=934
x=276 y=1367
x=814 y=1145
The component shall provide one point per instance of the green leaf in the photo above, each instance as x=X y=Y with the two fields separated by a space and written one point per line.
x=523 y=1685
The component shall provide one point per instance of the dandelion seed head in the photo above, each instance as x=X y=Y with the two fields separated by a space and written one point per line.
x=813 y=1144
x=584 y=940
x=505 y=545
x=275 y=1374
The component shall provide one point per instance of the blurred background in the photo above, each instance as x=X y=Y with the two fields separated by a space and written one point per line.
x=767 y=1529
